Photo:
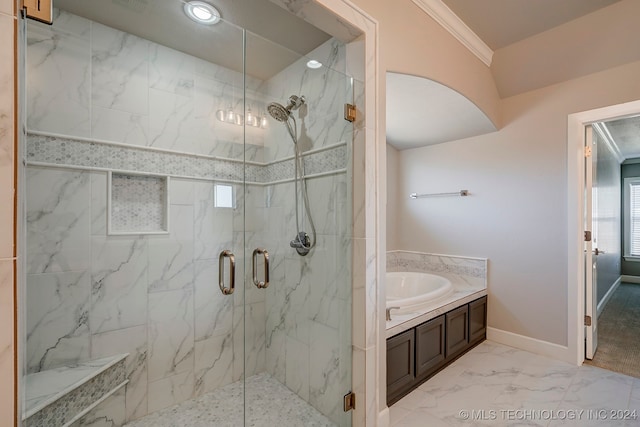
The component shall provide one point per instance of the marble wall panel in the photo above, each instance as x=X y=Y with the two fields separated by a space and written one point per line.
x=168 y=391
x=119 y=70
x=171 y=256
x=133 y=341
x=58 y=319
x=170 y=334
x=118 y=283
x=58 y=220
x=59 y=76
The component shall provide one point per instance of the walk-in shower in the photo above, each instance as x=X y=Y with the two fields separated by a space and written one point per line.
x=135 y=191
x=302 y=243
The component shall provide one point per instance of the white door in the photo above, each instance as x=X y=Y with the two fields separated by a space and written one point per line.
x=591 y=251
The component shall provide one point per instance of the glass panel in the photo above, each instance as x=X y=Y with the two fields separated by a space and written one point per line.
x=298 y=329
x=182 y=115
x=144 y=104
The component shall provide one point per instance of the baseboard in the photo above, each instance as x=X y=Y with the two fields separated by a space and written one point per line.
x=605 y=300
x=630 y=279
x=543 y=348
x=383 y=418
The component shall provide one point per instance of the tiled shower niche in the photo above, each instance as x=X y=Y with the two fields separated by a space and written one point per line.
x=137 y=204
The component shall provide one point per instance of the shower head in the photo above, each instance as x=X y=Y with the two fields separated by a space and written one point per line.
x=278 y=111
x=282 y=113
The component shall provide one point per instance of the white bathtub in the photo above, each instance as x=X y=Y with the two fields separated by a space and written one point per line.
x=414 y=291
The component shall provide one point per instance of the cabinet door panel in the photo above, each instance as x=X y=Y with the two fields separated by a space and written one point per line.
x=430 y=350
x=477 y=320
x=457 y=328
x=400 y=364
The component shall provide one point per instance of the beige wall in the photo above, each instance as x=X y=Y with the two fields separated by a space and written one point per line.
x=517 y=212
x=411 y=42
x=598 y=41
x=392 y=198
x=7 y=264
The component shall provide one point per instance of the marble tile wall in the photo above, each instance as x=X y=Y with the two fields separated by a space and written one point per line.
x=120 y=292
x=308 y=305
x=92 y=81
x=472 y=268
x=320 y=121
x=155 y=297
x=7 y=197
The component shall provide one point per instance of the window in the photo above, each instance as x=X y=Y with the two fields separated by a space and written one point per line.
x=632 y=219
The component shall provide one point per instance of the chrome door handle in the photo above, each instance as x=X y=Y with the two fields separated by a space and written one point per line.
x=254 y=262
x=232 y=273
x=596 y=251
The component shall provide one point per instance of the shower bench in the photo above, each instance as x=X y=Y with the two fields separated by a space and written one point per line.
x=61 y=397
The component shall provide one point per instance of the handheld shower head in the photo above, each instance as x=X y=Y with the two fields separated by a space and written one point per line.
x=278 y=111
x=282 y=113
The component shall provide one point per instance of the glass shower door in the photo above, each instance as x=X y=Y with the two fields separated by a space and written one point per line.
x=188 y=218
x=297 y=252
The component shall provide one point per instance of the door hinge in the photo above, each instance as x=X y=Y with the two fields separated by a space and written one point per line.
x=349 y=401
x=587 y=236
x=587 y=320
x=350 y=112
x=587 y=151
x=40 y=10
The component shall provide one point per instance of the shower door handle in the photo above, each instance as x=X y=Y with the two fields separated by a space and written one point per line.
x=232 y=273
x=254 y=263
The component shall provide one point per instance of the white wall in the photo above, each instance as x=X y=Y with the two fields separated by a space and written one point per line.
x=393 y=196
x=516 y=214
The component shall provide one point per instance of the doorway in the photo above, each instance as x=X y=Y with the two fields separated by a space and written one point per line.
x=612 y=295
x=581 y=251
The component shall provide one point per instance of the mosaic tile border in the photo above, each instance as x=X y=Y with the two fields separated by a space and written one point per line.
x=71 y=404
x=434 y=263
x=58 y=150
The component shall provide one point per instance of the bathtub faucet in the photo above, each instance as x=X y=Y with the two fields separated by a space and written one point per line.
x=389 y=312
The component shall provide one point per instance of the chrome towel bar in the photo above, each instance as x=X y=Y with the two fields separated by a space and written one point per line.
x=461 y=193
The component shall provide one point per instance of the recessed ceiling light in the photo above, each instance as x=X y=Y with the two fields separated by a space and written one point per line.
x=314 y=64
x=202 y=12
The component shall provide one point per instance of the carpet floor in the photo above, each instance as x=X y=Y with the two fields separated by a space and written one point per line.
x=619 y=332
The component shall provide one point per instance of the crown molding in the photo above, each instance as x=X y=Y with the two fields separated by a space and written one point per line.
x=602 y=129
x=452 y=23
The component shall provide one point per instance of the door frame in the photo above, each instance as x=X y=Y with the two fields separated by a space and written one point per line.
x=576 y=124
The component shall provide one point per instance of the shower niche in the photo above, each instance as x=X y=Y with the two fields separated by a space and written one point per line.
x=137 y=204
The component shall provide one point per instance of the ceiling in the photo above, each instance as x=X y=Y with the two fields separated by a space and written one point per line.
x=164 y=22
x=626 y=135
x=500 y=23
x=423 y=112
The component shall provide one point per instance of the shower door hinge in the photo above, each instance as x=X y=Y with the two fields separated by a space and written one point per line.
x=40 y=10
x=587 y=151
x=349 y=401
x=350 y=112
x=587 y=320
x=587 y=236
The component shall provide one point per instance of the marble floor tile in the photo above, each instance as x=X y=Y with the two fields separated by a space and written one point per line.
x=496 y=385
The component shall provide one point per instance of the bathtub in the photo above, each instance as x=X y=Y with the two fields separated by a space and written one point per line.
x=414 y=291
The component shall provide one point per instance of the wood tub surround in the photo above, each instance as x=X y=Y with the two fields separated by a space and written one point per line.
x=417 y=354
